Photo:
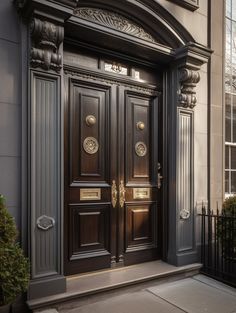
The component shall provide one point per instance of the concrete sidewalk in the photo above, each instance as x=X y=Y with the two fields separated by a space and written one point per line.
x=198 y=294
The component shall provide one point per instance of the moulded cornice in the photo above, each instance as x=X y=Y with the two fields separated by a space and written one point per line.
x=54 y=10
x=68 y=3
x=193 y=54
x=191 y=5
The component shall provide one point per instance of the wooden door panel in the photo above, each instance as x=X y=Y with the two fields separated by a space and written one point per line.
x=90 y=220
x=138 y=140
x=139 y=219
x=88 y=166
x=140 y=231
x=90 y=230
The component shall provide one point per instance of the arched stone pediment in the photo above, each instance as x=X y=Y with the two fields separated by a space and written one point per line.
x=115 y=21
x=139 y=19
x=146 y=19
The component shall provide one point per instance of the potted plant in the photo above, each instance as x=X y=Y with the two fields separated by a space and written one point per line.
x=14 y=266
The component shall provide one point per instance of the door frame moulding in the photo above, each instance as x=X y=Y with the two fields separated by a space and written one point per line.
x=110 y=79
x=182 y=59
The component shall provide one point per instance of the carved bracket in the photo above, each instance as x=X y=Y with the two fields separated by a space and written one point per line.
x=46 y=39
x=45 y=222
x=188 y=80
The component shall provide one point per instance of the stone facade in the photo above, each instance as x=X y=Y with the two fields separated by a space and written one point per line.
x=33 y=40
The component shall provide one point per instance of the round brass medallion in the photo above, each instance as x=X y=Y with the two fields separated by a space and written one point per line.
x=90 y=145
x=140 y=149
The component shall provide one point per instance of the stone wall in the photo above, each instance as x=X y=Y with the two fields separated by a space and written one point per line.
x=206 y=25
x=217 y=111
x=10 y=108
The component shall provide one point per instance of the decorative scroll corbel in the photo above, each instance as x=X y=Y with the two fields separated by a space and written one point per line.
x=188 y=79
x=46 y=39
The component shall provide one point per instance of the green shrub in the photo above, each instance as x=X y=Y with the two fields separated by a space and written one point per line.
x=14 y=272
x=8 y=231
x=14 y=267
x=226 y=229
x=229 y=206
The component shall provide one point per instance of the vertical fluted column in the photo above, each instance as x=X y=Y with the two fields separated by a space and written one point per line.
x=183 y=78
x=45 y=159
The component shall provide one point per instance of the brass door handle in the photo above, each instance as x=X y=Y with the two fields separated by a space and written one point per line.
x=159 y=177
x=122 y=194
x=113 y=194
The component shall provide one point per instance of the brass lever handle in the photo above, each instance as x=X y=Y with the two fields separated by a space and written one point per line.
x=159 y=177
x=113 y=194
x=122 y=194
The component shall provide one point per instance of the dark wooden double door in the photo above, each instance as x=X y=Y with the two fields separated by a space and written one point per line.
x=112 y=208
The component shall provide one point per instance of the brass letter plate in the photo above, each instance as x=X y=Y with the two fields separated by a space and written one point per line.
x=90 y=194
x=141 y=193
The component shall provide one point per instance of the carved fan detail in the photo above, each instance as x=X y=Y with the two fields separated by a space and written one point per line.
x=115 y=21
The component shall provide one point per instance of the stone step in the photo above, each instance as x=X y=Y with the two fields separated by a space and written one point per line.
x=87 y=288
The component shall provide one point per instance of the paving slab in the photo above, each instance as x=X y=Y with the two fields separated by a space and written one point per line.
x=216 y=284
x=194 y=296
x=137 y=302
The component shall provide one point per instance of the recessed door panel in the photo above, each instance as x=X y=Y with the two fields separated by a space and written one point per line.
x=90 y=230
x=138 y=139
x=89 y=106
x=139 y=226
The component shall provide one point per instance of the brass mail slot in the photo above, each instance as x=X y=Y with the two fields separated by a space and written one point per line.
x=141 y=193
x=90 y=194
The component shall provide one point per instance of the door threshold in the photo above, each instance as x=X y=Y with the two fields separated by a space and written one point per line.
x=89 y=284
x=104 y=270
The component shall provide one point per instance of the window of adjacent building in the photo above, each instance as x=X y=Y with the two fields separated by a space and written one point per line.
x=230 y=98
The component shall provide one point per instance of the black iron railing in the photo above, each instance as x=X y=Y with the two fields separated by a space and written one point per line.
x=218 y=249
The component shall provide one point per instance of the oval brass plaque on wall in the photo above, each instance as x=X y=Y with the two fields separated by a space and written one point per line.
x=140 y=149
x=90 y=145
